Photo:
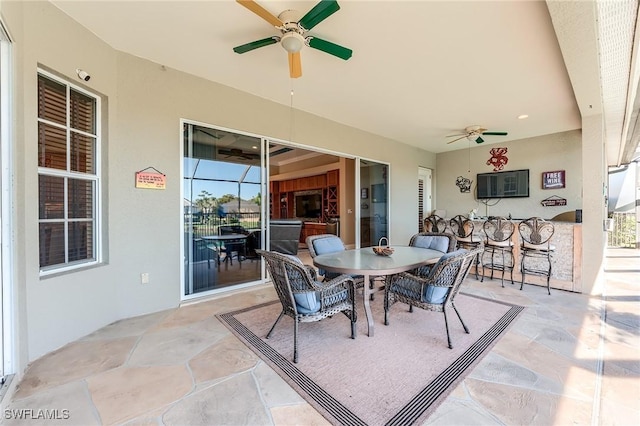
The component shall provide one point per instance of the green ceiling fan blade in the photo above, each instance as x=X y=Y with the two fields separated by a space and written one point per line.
x=495 y=133
x=479 y=140
x=255 y=44
x=319 y=13
x=330 y=48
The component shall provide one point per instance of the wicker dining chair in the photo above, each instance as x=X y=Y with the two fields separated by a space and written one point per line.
x=439 y=241
x=329 y=243
x=435 y=292
x=462 y=227
x=434 y=223
x=535 y=245
x=304 y=298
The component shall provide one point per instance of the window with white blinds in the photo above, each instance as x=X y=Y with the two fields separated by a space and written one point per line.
x=68 y=177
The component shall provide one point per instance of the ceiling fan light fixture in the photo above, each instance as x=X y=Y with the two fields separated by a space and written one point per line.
x=292 y=42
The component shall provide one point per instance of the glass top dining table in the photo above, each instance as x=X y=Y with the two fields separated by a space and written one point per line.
x=365 y=262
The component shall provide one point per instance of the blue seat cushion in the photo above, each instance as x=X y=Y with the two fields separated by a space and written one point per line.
x=433 y=242
x=327 y=245
x=292 y=257
x=308 y=302
x=435 y=294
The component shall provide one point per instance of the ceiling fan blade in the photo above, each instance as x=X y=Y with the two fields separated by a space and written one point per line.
x=255 y=44
x=330 y=48
x=495 y=133
x=319 y=13
x=457 y=134
x=457 y=139
x=295 y=65
x=479 y=140
x=261 y=12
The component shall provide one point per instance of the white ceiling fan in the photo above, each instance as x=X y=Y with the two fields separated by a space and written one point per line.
x=474 y=134
x=294 y=27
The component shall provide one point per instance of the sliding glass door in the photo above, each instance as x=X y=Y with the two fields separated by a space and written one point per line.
x=374 y=204
x=223 y=214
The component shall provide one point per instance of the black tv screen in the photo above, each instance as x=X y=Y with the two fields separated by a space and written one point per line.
x=511 y=184
x=308 y=205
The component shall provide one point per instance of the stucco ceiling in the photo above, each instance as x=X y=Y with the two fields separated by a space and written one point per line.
x=421 y=70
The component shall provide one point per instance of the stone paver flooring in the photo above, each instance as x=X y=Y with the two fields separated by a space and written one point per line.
x=569 y=359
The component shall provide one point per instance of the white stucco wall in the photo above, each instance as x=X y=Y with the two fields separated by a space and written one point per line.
x=558 y=151
x=144 y=105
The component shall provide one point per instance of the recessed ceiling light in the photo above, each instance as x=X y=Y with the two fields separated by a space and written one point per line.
x=523 y=116
x=254 y=147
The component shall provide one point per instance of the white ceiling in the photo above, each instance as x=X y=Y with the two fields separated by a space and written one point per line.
x=421 y=70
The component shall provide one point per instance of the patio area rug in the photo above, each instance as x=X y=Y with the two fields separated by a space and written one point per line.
x=397 y=377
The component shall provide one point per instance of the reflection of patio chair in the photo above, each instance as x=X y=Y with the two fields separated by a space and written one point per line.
x=435 y=292
x=303 y=298
x=203 y=276
x=253 y=243
x=233 y=248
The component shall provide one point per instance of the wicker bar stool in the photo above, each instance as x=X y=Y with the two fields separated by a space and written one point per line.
x=498 y=246
x=535 y=245
x=462 y=228
x=434 y=223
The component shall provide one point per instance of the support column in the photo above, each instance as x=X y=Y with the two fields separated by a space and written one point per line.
x=594 y=200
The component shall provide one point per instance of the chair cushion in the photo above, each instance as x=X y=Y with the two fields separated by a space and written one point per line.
x=308 y=302
x=542 y=247
x=434 y=242
x=328 y=245
x=435 y=295
x=507 y=243
x=292 y=257
x=324 y=246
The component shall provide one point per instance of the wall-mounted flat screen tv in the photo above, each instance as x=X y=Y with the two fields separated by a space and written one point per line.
x=510 y=184
x=308 y=205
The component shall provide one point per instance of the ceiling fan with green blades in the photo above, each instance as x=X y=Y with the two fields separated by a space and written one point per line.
x=474 y=134
x=293 y=29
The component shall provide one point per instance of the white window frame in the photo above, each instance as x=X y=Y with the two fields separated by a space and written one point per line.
x=95 y=178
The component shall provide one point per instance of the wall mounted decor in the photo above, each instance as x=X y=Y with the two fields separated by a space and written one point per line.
x=553 y=180
x=151 y=180
x=463 y=183
x=498 y=158
x=554 y=200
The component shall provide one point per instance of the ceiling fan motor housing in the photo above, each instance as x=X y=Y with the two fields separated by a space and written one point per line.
x=292 y=39
x=290 y=19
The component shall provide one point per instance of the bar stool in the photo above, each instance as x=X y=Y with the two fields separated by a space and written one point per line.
x=462 y=228
x=434 y=223
x=499 y=246
x=535 y=245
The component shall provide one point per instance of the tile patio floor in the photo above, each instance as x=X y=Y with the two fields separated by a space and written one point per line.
x=183 y=367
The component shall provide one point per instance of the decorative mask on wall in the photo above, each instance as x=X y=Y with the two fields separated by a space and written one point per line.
x=498 y=158
x=464 y=184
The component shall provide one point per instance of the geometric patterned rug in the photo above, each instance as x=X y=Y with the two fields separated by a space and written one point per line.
x=397 y=377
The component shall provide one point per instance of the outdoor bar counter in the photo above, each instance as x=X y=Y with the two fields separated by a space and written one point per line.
x=566 y=262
